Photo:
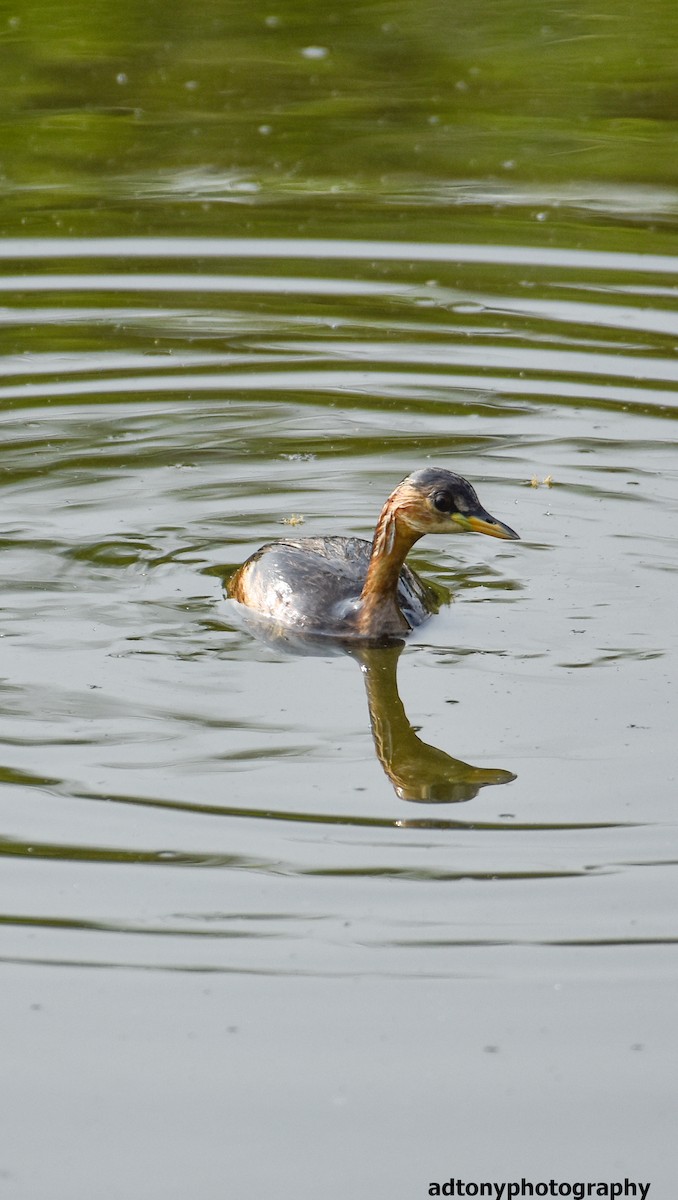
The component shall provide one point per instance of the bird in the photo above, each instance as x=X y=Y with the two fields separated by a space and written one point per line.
x=349 y=588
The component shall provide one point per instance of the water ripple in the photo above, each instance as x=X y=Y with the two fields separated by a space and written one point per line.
x=152 y=443
x=344 y=249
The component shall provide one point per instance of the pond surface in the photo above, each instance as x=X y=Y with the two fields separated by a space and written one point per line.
x=306 y=924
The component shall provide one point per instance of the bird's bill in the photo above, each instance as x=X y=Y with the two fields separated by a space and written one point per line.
x=482 y=522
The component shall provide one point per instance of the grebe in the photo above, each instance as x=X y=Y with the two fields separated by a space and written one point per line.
x=351 y=588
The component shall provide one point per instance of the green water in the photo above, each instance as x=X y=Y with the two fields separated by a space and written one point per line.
x=292 y=924
x=365 y=120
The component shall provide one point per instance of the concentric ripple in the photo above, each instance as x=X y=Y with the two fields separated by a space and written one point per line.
x=179 y=794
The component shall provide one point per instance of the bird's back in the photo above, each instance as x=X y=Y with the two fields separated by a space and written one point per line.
x=315 y=583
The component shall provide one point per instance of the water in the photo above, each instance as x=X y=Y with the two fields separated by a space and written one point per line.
x=391 y=921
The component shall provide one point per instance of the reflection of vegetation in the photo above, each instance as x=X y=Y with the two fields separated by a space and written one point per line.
x=264 y=95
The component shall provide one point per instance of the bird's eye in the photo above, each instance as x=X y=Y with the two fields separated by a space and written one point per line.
x=443 y=501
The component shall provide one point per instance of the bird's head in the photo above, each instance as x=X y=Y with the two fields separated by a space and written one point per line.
x=437 y=501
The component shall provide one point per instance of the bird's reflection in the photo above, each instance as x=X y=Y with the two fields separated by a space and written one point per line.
x=418 y=772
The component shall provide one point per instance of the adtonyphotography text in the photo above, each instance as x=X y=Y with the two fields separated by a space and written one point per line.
x=552 y=1187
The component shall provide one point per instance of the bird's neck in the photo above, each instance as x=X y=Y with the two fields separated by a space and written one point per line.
x=379 y=612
